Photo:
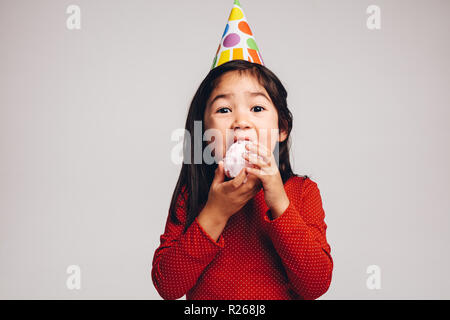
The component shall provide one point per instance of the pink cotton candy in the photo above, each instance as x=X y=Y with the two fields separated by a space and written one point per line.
x=234 y=161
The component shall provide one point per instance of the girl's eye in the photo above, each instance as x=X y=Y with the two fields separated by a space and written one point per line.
x=221 y=110
x=258 y=108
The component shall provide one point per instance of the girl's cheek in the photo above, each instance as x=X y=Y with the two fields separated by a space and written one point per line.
x=273 y=141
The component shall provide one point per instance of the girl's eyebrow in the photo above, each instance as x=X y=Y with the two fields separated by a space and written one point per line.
x=227 y=95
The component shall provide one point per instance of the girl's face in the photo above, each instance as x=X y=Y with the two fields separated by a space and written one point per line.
x=240 y=108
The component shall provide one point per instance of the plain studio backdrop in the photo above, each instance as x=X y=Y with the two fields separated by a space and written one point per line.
x=86 y=118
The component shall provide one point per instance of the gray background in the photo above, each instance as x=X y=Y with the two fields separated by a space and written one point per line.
x=86 y=118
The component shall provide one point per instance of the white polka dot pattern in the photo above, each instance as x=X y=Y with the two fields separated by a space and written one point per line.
x=255 y=257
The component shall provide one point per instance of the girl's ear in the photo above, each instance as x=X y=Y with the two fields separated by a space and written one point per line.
x=282 y=136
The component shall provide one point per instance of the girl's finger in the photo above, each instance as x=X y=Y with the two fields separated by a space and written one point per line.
x=219 y=175
x=239 y=179
x=255 y=171
x=253 y=184
x=256 y=160
x=260 y=150
x=236 y=182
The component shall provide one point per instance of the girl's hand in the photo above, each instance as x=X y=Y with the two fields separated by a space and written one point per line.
x=227 y=198
x=266 y=170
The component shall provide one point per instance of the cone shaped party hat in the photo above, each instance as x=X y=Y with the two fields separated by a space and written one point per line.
x=238 y=42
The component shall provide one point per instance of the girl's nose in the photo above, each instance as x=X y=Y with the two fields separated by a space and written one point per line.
x=241 y=122
x=241 y=130
x=242 y=125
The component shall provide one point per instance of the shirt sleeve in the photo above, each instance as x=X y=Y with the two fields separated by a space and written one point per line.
x=181 y=257
x=299 y=237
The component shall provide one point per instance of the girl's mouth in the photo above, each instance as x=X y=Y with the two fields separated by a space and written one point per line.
x=243 y=138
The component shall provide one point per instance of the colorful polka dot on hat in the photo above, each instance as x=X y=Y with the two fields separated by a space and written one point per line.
x=238 y=42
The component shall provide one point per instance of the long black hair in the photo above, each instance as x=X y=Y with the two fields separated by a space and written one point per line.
x=195 y=180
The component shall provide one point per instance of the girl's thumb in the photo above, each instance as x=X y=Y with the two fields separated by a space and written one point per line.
x=219 y=174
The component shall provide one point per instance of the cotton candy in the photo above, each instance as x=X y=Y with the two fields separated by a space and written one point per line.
x=234 y=161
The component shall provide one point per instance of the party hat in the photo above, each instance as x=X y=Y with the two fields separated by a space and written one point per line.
x=238 y=42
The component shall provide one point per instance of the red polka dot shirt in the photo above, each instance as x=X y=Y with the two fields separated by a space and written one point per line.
x=255 y=258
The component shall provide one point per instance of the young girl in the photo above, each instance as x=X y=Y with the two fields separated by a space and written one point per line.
x=225 y=239
x=260 y=235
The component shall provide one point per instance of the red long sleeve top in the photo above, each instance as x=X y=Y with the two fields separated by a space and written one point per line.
x=255 y=258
